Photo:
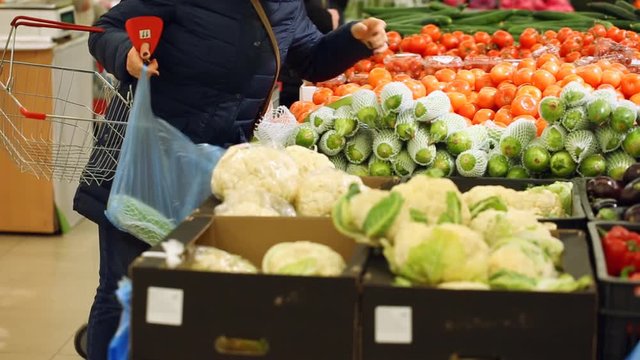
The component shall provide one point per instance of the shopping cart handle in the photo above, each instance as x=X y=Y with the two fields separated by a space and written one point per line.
x=32 y=114
x=22 y=20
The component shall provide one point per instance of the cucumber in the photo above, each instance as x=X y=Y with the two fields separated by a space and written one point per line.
x=375 y=11
x=612 y=9
x=426 y=19
x=595 y=15
x=624 y=24
x=488 y=17
x=555 y=15
x=469 y=29
x=625 y=5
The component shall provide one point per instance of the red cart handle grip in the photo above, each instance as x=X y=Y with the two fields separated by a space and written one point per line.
x=44 y=23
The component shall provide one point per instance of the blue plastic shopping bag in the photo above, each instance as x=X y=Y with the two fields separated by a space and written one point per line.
x=162 y=176
x=119 y=346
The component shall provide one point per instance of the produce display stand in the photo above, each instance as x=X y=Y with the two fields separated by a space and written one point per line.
x=619 y=301
x=210 y=315
x=418 y=322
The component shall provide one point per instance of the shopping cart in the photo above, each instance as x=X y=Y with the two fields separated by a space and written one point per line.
x=51 y=128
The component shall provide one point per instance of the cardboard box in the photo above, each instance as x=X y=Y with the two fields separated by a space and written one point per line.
x=426 y=323
x=184 y=314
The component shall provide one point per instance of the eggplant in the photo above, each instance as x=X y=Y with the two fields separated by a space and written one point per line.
x=632 y=173
x=603 y=187
x=630 y=194
x=599 y=204
x=610 y=214
x=632 y=214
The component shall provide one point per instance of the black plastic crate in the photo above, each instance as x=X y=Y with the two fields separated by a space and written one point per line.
x=619 y=301
x=430 y=323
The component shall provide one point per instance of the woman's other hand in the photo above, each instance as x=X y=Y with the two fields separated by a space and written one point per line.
x=372 y=33
x=135 y=63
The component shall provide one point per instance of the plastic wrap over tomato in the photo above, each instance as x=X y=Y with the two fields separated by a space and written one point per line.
x=358 y=78
x=333 y=83
x=405 y=63
x=434 y=63
x=482 y=62
x=547 y=49
x=612 y=51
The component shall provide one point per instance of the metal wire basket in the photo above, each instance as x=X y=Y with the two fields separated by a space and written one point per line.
x=53 y=129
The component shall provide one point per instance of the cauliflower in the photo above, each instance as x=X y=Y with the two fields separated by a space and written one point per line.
x=429 y=196
x=319 y=191
x=255 y=166
x=436 y=254
x=542 y=202
x=497 y=224
x=521 y=257
x=302 y=258
x=464 y=285
x=253 y=202
x=208 y=258
x=308 y=160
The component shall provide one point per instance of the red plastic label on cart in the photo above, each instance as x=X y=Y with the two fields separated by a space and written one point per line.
x=393 y=325
x=144 y=30
x=164 y=306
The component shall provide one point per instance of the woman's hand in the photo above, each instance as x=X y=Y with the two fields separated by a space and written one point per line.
x=135 y=63
x=371 y=32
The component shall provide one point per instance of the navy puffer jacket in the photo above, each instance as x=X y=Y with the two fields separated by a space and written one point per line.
x=216 y=66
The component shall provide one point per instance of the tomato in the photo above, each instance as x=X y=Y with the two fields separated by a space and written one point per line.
x=486 y=98
x=615 y=34
x=468 y=76
x=418 y=44
x=588 y=39
x=379 y=57
x=467 y=47
x=449 y=41
x=571 y=78
x=482 y=37
x=542 y=78
x=431 y=49
x=430 y=83
x=550 y=34
x=612 y=77
x=431 y=30
x=405 y=44
x=503 y=116
x=546 y=57
x=457 y=100
x=501 y=72
x=564 y=33
x=592 y=74
x=529 y=63
x=524 y=105
x=322 y=95
x=565 y=70
x=635 y=98
x=417 y=89
x=379 y=75
x=346 y=89
x=502 y=39
x=460 y=86
x=505 y=95
x=541 y=124
x=568 y=47
x=483 y=115
x=630 y=85
x=446 y=75
x=522 y=76
x=552 y=90
x=483 y=81
x=598 y=30
x=573 y=56
x=393 y=40
x=527 y=40
x=363 y=66
x=551 y=66
x=467 y=110
x=529 y=90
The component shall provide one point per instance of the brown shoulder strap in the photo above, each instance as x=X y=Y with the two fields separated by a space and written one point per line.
x=274 y=45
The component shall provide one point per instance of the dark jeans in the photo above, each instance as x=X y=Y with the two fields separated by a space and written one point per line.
x=117 y=251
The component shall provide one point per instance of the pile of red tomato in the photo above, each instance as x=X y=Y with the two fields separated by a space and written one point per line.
x=480 y=87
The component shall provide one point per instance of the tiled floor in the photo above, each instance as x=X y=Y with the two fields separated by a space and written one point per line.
x=47 y=284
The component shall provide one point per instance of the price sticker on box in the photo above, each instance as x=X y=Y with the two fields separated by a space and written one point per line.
x=164 y=306
x=393 y=325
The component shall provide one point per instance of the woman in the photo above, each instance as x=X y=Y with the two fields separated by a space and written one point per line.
x=213 y=72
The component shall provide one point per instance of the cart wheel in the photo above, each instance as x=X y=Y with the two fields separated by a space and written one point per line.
x=80 y=341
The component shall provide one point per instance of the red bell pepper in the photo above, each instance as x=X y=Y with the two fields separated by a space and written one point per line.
x=622 y=250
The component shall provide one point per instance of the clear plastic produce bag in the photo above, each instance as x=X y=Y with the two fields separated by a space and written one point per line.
x=162 y=176
x=119 y=345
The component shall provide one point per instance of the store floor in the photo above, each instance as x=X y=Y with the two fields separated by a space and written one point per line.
x=47 y=284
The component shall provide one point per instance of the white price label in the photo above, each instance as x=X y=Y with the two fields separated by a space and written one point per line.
x=393 y=325
x=164 y=306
